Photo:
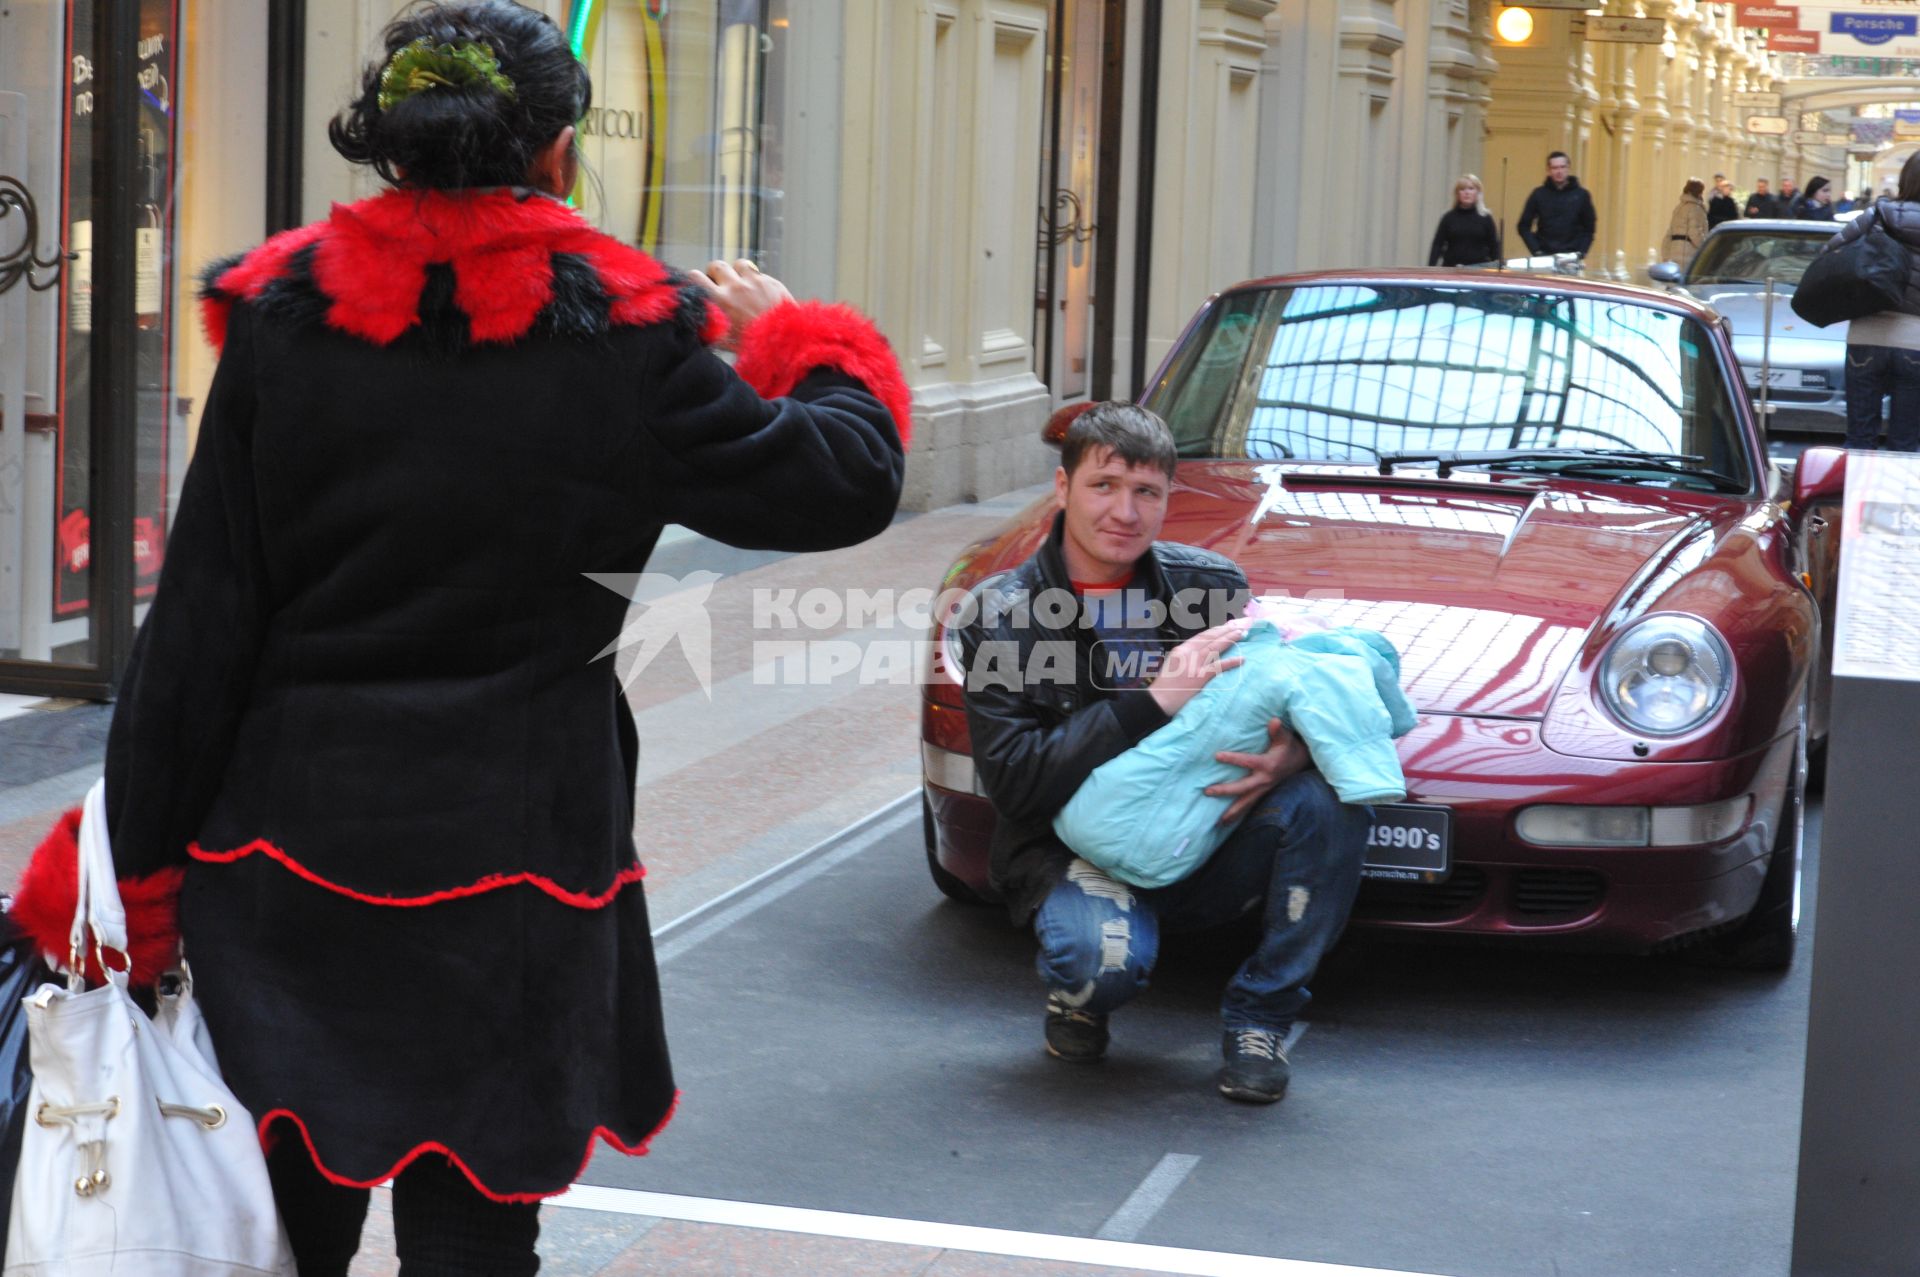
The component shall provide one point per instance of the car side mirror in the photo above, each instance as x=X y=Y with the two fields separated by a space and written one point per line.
x=1665 y=273
x=1055 y=433
x=1820 y=476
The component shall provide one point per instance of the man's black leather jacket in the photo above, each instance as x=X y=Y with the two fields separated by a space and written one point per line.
x=1039 y=722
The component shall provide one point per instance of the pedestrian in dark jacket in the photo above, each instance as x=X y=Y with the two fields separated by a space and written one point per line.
x=1467 y=235
x=1722 y=207
x=1788 y=202
x=1817 y=205
x=1559 y=216
x=1762 y=203
x=366 y=720
x=1883 y=350
x=1046 y=657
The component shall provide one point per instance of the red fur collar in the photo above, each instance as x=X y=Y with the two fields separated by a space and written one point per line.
x=365 y=268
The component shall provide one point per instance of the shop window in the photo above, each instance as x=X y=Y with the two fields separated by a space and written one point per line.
x=196 y=151
x=684 y=147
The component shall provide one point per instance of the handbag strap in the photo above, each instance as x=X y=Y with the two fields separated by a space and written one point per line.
x=97 y=905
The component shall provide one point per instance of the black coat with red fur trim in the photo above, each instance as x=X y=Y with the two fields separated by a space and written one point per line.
x=369 y=713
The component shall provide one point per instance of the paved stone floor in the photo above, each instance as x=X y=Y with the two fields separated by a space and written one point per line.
x=731 y=784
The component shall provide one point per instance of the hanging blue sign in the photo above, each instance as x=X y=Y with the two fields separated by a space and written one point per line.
x=1873 y=28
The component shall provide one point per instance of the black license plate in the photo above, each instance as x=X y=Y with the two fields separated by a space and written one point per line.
x=1409 y=843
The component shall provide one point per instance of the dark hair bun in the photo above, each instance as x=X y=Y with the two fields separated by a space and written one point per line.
x=473 y=134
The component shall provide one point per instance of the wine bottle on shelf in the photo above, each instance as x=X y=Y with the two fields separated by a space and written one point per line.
x=148 y=236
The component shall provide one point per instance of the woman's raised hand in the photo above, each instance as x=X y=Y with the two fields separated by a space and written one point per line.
x=741 y=291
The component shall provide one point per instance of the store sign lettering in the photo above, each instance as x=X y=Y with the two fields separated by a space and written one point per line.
x=82 y=74
x=1870 y=28
x=606 y=121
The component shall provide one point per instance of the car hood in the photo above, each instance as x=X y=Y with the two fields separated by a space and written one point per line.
x=1487 y=589
x=1745 y=308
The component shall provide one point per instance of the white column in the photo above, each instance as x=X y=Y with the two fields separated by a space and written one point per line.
x=938 y=219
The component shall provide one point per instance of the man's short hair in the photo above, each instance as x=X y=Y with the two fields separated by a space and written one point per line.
x=1135 y=435
x=1558 y=155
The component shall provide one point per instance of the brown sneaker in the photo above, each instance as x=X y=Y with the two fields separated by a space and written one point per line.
x=1078 y=1037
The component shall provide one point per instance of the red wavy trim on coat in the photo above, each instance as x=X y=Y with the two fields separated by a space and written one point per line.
x=44 y=903
x=372 y=258
x=434 y=1146
x=492 y=882
x=786 y=343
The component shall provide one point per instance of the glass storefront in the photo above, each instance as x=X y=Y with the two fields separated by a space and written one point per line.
x=712 y=135
x=709 y=134
x=107 y=147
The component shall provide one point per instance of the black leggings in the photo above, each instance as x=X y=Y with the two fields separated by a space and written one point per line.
x=442 y=1225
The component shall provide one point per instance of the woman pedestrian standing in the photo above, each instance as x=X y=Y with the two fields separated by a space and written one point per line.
x=1722 y=207
x=1883 y=350
x=368 y=722
x=1817 y=206
x=1688 y=225
x=1468 y=235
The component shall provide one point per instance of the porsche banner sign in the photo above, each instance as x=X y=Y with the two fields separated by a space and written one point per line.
x=1875 y=29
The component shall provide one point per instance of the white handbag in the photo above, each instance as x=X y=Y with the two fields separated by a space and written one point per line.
x=137 y=1159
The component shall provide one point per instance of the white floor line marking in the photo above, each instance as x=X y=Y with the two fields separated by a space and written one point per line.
x=964 y=1237
x=689 y=929
x=1298 y=1031
x=1145 y=1201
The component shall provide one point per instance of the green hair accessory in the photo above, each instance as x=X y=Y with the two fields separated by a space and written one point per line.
x=421 y=65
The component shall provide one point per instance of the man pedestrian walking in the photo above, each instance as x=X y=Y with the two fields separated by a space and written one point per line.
x=1762 y=203
x=1790 y=199
x=1559 y=216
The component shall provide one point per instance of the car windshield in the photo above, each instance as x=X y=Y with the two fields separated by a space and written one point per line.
x=1754 y=257
x=1358 y=372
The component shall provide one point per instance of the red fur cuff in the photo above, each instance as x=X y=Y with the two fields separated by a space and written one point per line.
x=786 y=343
x=43 y=906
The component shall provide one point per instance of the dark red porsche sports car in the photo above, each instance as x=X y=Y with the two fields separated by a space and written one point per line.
x=1552 y=496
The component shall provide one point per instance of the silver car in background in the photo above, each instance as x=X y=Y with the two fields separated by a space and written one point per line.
x=1807 y=366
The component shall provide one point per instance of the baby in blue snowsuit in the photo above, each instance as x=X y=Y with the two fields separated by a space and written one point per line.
x=1145 y=818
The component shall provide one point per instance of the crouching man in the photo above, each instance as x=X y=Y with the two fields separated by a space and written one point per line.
x=1061 y=662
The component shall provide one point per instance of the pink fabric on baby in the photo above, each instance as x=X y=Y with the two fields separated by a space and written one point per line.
x=1288 y=616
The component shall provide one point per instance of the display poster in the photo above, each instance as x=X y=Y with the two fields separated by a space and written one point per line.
x=157 y=73
x=1876 y=631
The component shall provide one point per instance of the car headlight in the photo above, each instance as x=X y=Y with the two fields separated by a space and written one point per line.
x=1666 y=674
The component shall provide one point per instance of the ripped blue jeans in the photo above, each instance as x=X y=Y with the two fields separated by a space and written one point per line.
x=1297 y=855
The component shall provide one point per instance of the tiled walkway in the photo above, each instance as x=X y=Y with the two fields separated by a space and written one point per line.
x=729 y=786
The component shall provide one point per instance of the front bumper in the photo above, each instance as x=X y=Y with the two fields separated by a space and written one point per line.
x=1631 y=899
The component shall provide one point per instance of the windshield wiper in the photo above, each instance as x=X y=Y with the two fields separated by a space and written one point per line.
x=1719 y=482
x=1568 y=461
x=1445 y=462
